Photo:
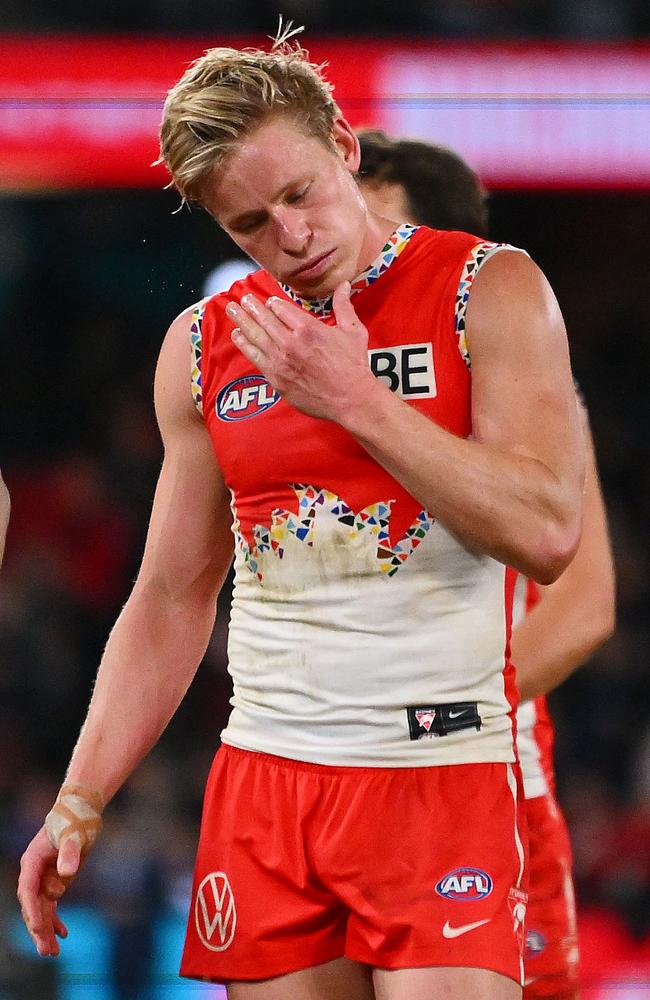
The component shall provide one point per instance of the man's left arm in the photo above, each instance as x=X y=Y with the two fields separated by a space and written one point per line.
x=577 y=613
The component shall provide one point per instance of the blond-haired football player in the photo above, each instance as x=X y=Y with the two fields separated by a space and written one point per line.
x=361 y=829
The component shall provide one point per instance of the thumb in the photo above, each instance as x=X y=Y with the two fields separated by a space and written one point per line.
x=344 y=312
x=69 y=857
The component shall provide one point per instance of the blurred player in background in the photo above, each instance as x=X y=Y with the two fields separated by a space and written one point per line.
x=373 y=695
x=555 y=628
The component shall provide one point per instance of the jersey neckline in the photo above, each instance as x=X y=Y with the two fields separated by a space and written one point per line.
x=387 y=255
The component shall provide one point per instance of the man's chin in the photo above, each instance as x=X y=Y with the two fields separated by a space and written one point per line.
x=323 y=288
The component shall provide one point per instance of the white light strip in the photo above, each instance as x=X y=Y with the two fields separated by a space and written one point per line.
x=522 y=116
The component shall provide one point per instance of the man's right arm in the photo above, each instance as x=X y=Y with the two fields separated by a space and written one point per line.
x=164 y=628
x=160 y=636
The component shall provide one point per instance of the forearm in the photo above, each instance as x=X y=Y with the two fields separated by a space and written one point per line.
x=507 y=505
x=577 y=613
x=555 y=638
x=150 y=659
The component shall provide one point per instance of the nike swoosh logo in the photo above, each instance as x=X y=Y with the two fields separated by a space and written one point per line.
x=453 y=932
x=454 y=715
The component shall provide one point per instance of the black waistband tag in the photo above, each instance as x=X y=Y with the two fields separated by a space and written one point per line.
x=427 y=721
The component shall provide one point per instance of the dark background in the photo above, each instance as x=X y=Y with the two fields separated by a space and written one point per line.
x=89 y=283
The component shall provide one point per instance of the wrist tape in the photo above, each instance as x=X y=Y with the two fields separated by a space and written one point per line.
x=76 y=813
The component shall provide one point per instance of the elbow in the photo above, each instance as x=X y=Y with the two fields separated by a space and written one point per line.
x=556 y=549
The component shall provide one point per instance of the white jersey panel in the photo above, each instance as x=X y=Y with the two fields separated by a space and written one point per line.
x=535 y=782
x=327 y=650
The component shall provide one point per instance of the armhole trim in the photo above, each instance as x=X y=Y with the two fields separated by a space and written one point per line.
x=477 y=257
x=196 y=341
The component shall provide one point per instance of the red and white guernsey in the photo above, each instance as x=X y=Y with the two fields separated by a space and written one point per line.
x=535 y=730
x=362 y=631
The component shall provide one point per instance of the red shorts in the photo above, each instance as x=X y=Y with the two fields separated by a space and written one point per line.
x=299 y=864
x=551 y=956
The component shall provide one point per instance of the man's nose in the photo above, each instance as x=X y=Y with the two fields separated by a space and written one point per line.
x=292 y=231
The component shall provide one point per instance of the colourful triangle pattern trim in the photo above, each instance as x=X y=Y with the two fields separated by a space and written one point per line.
x=388 y=254
x=196 y=343
x=475 y=261
x=375 y=518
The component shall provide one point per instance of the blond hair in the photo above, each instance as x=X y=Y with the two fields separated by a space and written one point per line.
x=226 y=93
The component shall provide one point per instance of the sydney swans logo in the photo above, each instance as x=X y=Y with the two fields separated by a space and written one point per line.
x=214 y=912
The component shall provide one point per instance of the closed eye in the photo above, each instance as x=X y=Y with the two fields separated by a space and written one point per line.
x=297 y=196
x=247 y=225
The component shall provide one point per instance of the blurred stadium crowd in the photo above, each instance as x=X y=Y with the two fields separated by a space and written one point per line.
x=88 y=284
x=481 y=19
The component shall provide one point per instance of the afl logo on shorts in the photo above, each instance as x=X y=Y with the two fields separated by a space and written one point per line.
x=214 y=912
x=465 y=885
x=245 y=397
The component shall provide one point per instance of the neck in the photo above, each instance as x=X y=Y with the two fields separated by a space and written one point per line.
x=378 y=231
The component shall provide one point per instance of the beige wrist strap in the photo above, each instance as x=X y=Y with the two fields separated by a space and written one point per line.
x=76 y=813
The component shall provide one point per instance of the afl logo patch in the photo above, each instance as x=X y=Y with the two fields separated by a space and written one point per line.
x=245 y=397
x=465 y=884
x=215 y=916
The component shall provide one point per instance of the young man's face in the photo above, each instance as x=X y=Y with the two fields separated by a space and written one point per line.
x=293 y=205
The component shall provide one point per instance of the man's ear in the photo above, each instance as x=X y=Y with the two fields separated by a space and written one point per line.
x=347 y=144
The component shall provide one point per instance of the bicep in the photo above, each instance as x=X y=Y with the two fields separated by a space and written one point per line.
x=523 y=398
x=189 y=542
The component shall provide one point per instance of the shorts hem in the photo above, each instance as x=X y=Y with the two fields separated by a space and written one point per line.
x=270 y=971
x=282 y=756
x=412 y=960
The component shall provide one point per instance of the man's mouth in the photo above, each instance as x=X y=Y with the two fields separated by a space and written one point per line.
x=313 y=268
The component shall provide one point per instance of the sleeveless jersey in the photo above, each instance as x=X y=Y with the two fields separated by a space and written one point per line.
x=362 y=631
x=535 y=731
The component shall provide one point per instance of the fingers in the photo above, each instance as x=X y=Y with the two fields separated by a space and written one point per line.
x=50 y=919
x=38 y=914
x=52 y=886
x=59 y=927
x=39 y=888
x=344 y=311
x=37 y=859
x=257 y=324
x=41 y=921
x=286 y=312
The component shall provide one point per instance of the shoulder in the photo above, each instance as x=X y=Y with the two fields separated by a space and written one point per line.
x=511 y=304
x=509 y=283
x=178 y=337
x=458 y=255
x=172 y=388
